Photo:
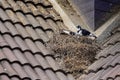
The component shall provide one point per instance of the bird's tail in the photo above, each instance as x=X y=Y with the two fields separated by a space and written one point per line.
x=67 y=32
x=92 y=35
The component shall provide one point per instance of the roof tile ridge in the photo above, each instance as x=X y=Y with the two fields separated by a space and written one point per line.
x=23 y=38
x=36 y=66
x=101 y=68
x=118 y=52
x=108 y=53
x=27 y=25
x=35 y=4
x=116 y=30
x=110 y=36
x=15 y=76
x=27 y=50
x=30 y=13
x=3 y=73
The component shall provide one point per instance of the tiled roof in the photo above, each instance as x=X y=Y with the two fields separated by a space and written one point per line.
x=107 y=65
x=25 y=27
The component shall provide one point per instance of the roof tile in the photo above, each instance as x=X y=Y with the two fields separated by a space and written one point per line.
x=113 y=40
x=23 y=6
x=42 y=61
x=32 y=46
x=3 y=15
x=61 y=26
x=51 y=75
x=43 y=11
x=10 y=41
x=54 y=14
x=116 y=61
x=3 y=28
x=1 y=69
x=116 y=30
x=53 y=25
x=13 y=4
x=61 y=76
x=112 y=50
x=70 y=77
x=31 y=73
x=42 y=48
x=101 y=53
x=8 y=68
x=42 y=35
x=4 y=3
x=21 y=43
x=45 y=2
x=52 y=63
x=4 y=77
x=43 y=23
x=25 y=27
x=20 y=56
x=99 y=63
x=12 y=16
x=32 y=33
x=42 y=74
x=32 y=20
x=14 y=78
x=32 y=60
x=11 y=28
x=35 y=49
x=96 y=76
x=107 y=66
x=112 y=73
x=22 y=18
x=117 y=78
x=112 y=60
x=19 y=69
x=2 y=41
x=2 y=56
x=9 y=54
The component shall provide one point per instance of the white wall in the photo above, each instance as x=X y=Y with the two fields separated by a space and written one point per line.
x=85 y=9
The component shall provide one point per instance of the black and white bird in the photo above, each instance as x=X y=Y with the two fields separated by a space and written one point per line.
x=84 y=32
x=80 y=32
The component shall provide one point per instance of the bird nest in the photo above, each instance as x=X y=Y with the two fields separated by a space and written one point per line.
x=74 y=54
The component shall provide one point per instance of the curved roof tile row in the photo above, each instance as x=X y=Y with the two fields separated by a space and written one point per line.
x=25 y=27
x=107 y=65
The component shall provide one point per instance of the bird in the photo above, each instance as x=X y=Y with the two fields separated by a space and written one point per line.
x=84 y=32
x=80 y=32
x=67 y=32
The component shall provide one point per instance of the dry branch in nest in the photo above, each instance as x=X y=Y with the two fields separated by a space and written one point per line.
x=74 y=54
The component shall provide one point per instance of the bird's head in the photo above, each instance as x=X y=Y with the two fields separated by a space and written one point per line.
x=78 y=27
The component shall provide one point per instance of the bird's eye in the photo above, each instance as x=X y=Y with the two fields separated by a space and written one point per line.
x=78 y=26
